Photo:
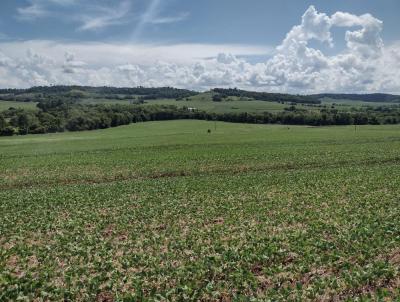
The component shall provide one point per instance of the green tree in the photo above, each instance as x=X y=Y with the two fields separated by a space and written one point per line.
x=25 y=121
x=3 y=122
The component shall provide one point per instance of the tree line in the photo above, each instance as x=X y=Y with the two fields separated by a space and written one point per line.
x=61 y=115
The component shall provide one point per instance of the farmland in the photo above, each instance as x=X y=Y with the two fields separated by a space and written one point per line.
x=165 y=210
x=79 y=108
x=250 y=102
x=204 y=102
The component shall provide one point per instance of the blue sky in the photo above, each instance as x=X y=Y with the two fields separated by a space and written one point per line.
x=71 y=41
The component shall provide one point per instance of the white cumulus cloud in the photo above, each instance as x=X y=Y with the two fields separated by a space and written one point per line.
x=365 y=65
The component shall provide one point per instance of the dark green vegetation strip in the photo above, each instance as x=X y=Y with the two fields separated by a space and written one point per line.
x=248 y=211
x=72 y=108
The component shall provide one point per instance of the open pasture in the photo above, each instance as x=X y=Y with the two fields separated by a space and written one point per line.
x=166 y=211
x=232 y=104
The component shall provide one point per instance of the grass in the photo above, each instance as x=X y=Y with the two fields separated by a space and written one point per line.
x=204 y=102
x=166 y=211
x=225 y=106
x=4 y=105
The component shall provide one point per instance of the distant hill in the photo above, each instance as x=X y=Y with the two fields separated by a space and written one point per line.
x=74 y=92
x=77 y=91
x=372 y=97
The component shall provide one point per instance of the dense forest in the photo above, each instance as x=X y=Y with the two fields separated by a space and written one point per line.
x=60 y=115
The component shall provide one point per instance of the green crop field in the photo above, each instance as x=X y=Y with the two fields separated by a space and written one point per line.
x=224 y=106
x=204 y=102
x=167 y=211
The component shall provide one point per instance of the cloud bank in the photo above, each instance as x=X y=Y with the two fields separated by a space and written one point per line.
x=365 y=65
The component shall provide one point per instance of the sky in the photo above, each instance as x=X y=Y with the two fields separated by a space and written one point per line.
x=294 y=46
